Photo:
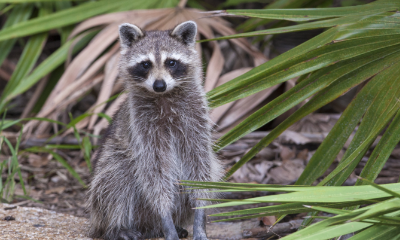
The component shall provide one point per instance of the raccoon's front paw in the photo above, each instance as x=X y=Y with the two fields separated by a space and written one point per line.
x=182 y=233
x=200 y=236
x=129 y=234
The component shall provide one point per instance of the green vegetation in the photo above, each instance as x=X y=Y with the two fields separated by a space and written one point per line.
x=379 y=220
x=359 y=47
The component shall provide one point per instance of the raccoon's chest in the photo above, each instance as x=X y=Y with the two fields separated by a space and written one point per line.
x=167 y=111
x=172 y=119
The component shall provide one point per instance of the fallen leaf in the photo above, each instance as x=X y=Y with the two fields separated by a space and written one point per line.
x=218 y=113
x=37 y=161
x=303 y=154
x=294 y=137
x=288 y=172
x=268 y=220
x=58 y=190
x=287 y=153
x=266 y=153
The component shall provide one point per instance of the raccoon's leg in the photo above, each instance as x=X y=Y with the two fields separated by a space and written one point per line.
x=182 y=233
x=168 y=228
x=199 y=225
x=210 y=171
x=129 y=234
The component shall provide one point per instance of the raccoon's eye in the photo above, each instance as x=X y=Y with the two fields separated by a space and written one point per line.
x=146 y=65
x=171 y=63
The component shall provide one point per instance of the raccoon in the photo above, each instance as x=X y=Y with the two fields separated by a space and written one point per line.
x=160 y=135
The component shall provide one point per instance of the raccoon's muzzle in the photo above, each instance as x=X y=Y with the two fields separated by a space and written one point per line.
x=159 y=85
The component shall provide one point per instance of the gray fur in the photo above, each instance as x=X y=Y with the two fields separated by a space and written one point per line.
x=186 y=32
x=129 y=34
x=154 y=140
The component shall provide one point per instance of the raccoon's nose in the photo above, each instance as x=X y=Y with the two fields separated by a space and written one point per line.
x=159 y=86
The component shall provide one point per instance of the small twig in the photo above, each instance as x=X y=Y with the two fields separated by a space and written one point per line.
x=20 y=203
x=34 y=142
x=278 y=229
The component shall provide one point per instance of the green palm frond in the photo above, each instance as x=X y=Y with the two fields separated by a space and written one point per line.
x=381 y=217
x=354 y=48
x=360 y=45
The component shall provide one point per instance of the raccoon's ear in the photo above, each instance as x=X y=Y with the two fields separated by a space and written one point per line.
x=129 y=33
x=186 y=32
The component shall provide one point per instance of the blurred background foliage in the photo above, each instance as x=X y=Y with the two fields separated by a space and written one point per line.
x=59 y=83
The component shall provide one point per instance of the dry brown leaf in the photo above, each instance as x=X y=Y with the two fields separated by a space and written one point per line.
x=10 y=135
x=70 y=99
x=240 y=176
x=110 y=76
x=32 y=193
x=37 y=161
x=98 y=21
x=83 y=89
x=222 y=27
x=268 y=220
x=303 y=154
x=86 y=76
x=103 y=123
x=59 y=101
x=287 y=153
x=315 y=123
x=263 y=167
x=288 y=172
x=73 y=44
x=294 y=137
x=218 y=112
x=214 y=67
x=266 y=153
x=88 y=55
x=33 y=99
x=160 y=22
x=58 y=190
x=244 y=107
x=69 y=79
x=216 y=63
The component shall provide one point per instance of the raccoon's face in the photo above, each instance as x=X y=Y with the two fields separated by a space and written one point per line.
x=159 y=61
